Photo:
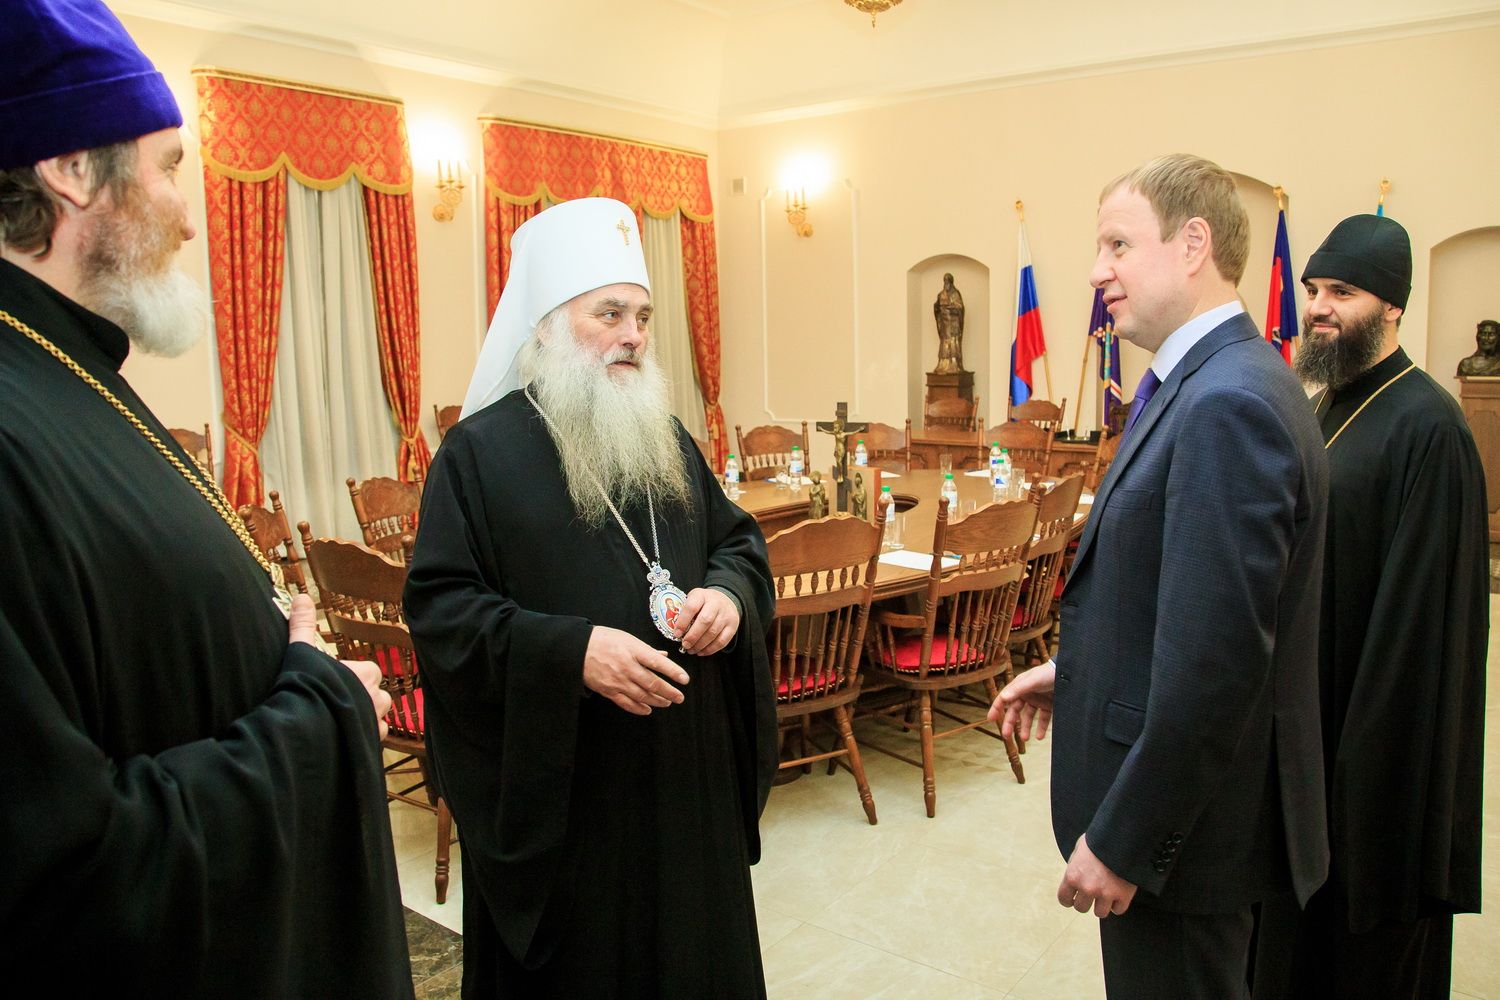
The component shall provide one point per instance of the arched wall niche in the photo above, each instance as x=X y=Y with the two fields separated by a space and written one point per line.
x=1464 y=288
x=924 y=280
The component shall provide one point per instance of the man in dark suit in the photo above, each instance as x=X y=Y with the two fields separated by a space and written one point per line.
x=1185 y=690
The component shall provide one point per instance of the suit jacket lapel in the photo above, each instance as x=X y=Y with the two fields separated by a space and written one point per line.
x=1232 y=330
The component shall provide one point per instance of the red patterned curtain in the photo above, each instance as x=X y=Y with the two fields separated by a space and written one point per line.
x=526 y=166
x=254 y=132
x=247 y=250
x=393 y=263
x=700 y=266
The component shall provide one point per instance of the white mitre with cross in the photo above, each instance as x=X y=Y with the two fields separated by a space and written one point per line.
x=570 y=248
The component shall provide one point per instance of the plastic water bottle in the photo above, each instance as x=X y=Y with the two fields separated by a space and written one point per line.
x=997 y=485
x=892 y=540
x=861 y=456
x=1005 y=476
x=794 y=469
x=732 y=477
x=950 y=493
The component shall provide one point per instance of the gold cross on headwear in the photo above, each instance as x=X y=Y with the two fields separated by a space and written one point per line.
x=624 y=231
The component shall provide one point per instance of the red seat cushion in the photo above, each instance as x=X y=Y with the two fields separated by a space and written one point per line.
x=908 y=656
x=794 y=685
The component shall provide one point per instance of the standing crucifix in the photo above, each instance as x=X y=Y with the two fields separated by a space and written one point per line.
x=840 y=428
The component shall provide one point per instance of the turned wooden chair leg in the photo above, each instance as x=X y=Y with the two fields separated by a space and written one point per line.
x=929 y=779
x=841 y=713
x=444 y=838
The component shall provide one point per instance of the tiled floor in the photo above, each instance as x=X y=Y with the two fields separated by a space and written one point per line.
x=957 y=906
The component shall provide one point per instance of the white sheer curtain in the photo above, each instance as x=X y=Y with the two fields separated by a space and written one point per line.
x=329 y=416
x=662 y=241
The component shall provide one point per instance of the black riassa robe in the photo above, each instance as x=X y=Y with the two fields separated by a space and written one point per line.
x=1404 y=639
x=192 y=807
x=604 y=854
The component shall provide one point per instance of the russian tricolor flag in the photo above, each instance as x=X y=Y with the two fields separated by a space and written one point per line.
x=1029 y=344
x=1281 y=310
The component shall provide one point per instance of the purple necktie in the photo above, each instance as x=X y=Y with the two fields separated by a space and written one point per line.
x=1143 y=393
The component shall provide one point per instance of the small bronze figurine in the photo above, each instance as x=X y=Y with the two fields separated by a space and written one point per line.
x=1486 y=360
x=817 y=498
x=859 y=499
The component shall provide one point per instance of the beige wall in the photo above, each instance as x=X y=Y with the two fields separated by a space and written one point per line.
x=1465 y=279
x=941 y=176
x=182 y=391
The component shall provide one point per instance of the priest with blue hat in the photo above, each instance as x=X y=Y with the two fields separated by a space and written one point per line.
x=195 y=802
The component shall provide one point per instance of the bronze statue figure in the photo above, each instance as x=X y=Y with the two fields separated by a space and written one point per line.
x=859 y=499
x=1486 y=360
x=948 y=310
x=817 y=498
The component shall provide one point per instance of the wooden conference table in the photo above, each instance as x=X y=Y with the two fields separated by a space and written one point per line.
x=916 y=492
x=970 y=451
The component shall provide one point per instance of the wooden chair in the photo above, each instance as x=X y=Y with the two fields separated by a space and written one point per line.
x=961 y=636
x=825 y=574
x=1109 y=444
x=200 y=446
x=1046 y=415
x=888 y=447
x=446 y=418
x=1033 y=619
x=951 y=414
x=361 y=592
x=272 y=534
x=766 y=447
x=386 y=509
x=1030 y=446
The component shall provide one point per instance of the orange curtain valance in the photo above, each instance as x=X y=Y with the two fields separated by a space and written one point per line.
x=251 y=128
x=525 y=163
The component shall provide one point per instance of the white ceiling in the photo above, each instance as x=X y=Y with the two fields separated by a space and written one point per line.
x=724 y=63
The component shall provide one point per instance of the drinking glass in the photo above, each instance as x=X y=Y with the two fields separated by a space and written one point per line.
x=895 y=531
x=945 y=463
x=779 y=477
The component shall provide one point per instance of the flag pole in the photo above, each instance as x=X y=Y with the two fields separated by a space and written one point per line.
x=1046 y=364
x=1082 y=375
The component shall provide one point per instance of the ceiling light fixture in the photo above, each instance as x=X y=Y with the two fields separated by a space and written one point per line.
x=872 y=7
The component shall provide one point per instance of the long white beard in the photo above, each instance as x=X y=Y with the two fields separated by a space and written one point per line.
x=130 y=280
x=162 y=314
x=619 y=435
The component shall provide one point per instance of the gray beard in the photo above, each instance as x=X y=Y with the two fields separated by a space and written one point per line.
x=1335 y=361
x=130 y=280
x=162 y=314
x=618 y=435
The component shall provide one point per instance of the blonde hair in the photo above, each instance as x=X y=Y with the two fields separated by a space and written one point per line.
x=1181 y=187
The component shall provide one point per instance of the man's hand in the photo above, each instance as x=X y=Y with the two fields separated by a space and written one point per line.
x=303 y=627
x=1089 y=883
x=708 y=622
x=1026 y=701
x=625 y=670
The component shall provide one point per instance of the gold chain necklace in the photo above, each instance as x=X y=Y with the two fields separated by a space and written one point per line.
x=1362 y=406
x=215 y=496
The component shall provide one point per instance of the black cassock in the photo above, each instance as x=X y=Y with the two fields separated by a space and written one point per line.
x=1404 y=639
x=604 y=854
x=192 y=808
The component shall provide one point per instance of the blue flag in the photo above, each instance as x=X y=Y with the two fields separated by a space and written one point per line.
x=1281 y=307
x=1102 y=329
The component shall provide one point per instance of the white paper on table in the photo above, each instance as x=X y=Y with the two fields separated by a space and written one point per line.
x=907 y=559
x=784 y=478
x=889 y=475
x=978 y=473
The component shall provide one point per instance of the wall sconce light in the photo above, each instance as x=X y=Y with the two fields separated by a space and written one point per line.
x=450 y=185
x=796 y=212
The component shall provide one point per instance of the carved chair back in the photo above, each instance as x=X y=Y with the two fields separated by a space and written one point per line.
x=977 y=598
x=888 y=447
x=446 y=417
x=764 y=448
x=1056 y=509
x=1030 y=446
x=386 y=509
x=1109 y=445
x=1044 y=413
x=825 y=575
x=951 y=414
x=272 y=534
x=199 y=446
